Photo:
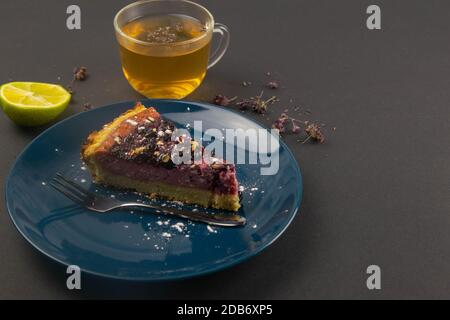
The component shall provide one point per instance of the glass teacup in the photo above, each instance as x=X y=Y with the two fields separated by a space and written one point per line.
x=165 y=46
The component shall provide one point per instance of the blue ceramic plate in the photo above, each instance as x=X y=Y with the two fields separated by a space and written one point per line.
x=138 y=245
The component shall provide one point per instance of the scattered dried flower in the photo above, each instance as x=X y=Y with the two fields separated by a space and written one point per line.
x=273 y=85
x=87 y=106
x=295 y=127
x=257 y=104
x=80 y=73
x=222 y=100
x=245 y=104
x=279 y=124
x=313 y=131
x=246 y=83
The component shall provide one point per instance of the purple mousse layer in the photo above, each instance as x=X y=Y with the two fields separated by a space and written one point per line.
x=218 y=178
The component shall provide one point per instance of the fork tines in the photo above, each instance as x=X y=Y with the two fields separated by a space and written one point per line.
x=70 y=189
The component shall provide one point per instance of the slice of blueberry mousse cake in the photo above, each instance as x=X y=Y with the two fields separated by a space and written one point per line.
x=134 y=152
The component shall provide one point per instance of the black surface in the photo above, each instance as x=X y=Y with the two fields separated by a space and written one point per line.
x=377 y=192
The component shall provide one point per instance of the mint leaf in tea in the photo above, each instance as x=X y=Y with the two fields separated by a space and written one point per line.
x=163 y=63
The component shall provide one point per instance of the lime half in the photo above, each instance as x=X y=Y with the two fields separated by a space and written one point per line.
x=33 y=103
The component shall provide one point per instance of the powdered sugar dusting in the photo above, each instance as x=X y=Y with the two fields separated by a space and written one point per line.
x=178 y=226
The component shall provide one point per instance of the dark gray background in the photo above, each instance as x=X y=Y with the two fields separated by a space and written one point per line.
x=378 y=192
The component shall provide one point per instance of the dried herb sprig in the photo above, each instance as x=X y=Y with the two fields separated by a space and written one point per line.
x=312 y=130
x=280 y=123
x=284 y=120
x=222 y=100
x=257 y=103
x=295 y=128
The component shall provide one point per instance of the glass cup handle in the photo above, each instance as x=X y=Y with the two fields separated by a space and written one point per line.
x=222 y=47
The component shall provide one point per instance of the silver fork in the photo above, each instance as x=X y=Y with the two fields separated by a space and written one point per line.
x=97 y=203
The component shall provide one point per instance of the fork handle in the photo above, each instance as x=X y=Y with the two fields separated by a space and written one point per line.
x=222 y=220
